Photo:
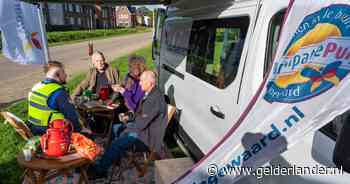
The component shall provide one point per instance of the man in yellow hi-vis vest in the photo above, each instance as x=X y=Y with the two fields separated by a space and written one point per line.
x=48 y=100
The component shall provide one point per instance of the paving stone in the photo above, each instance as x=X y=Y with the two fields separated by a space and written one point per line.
x=168 y=170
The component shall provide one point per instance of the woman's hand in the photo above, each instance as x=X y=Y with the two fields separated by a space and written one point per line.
x=118 y=88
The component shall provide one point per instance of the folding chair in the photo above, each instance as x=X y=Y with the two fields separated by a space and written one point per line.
x=18 y=124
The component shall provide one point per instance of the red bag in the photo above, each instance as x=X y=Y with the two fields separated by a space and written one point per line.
x=85 y=146
x=57 y=139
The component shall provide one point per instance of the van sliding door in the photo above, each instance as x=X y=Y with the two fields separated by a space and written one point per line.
x=212 y=78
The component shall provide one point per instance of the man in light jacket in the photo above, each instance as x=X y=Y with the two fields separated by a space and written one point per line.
x=101 y=75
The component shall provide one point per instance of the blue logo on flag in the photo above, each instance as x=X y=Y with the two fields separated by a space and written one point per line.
x=316 y=59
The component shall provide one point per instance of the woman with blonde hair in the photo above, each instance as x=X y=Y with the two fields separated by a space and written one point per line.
x=132 y=91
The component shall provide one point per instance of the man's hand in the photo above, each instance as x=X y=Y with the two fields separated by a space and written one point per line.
x=76 y=100
x=123 y=118
x=118 y=88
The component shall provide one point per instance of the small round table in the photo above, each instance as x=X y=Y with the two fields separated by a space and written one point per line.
x=96 y=107
x=39 y=170
x=101 y=110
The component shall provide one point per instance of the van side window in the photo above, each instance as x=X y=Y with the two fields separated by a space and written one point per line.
x=176 y=36
x=215 y=49
x=273 y=38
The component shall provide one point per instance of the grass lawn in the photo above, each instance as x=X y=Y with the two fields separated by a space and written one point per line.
x=11 y=143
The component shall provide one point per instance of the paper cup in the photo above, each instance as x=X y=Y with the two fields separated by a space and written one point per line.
x=27 y=154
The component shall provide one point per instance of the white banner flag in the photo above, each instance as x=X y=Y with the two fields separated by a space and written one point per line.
x=307 y=87
x=21 y=32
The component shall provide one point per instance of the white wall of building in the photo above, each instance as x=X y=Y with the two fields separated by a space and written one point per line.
x=147 y=20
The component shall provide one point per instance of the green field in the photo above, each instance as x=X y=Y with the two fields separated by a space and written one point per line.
x=11 y=143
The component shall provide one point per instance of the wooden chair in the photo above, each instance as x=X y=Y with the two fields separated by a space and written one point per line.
x=139 y=160
x=18 y=124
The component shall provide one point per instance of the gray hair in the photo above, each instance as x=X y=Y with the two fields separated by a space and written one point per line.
x=149 y=75
x=99 y=53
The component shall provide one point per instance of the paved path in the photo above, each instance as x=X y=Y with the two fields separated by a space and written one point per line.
x=16 y=80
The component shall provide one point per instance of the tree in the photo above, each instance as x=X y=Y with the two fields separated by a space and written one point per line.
x=143 y=10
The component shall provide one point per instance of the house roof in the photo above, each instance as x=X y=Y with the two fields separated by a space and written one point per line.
x=131 y=9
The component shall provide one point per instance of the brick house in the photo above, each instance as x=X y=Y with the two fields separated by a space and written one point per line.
x=126 y=16
x=63 y=16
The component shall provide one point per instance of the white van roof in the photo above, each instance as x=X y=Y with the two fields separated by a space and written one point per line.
x=205 y=7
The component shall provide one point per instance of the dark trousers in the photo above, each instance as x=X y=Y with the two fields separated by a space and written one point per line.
x=37 y=130
x=118 y=150
x=341 y=155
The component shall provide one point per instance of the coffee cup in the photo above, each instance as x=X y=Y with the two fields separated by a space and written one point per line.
x=27 y=154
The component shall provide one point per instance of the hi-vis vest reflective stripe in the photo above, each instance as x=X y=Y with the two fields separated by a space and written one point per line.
x=39 y=113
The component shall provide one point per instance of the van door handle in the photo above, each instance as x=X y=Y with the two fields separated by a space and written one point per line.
x=215 y=110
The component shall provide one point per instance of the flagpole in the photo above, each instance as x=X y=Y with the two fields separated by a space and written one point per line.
x=43 y=35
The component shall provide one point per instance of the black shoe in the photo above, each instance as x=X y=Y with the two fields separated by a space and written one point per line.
x=94 y=174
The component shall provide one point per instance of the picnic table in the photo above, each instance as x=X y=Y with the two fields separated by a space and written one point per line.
x=41 y=169
x=100 y=109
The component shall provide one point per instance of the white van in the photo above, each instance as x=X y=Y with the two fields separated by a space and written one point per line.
x=211 y=57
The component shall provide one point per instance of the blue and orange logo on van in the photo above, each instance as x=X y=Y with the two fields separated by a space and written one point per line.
x=316 y=59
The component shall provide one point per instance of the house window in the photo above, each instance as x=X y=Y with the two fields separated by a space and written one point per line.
x=71 y=20
x=79 y=21
x=123 y=16
x=74 y=7
x=70 y=7
x=78 y=8
x=65 y=7
x=104 y=13
x=215 y=49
